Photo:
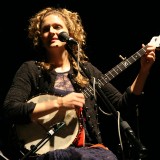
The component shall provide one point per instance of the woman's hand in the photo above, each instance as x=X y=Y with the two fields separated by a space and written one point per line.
x=147 y=61
x=72 y=100
x=148 y=58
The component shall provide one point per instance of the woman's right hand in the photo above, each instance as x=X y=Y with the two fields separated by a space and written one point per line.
x=72 y=100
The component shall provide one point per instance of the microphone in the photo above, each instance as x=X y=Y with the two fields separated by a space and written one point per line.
x=136 y=142
x=64 y=37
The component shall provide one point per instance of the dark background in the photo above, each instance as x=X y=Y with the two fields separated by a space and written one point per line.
x=113 y=28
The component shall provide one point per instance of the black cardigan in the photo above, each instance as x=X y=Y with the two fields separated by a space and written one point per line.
x=30 y=80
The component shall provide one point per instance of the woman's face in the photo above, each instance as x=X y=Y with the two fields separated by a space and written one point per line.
x=51 y=26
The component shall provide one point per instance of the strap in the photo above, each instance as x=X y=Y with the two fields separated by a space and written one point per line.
x=80 y=139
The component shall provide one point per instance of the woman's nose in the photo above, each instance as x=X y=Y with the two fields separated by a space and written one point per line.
x=52 y=30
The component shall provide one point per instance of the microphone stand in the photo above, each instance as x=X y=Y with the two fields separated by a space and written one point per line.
x=50 y=133
x=124 y=125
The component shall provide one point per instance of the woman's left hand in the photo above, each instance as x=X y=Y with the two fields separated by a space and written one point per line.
x=148 y=58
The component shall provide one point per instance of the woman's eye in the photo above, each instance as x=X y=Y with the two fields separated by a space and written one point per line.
x=57 y=27
x=46 y=29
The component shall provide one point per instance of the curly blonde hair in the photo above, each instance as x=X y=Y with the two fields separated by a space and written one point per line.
x=74 y=24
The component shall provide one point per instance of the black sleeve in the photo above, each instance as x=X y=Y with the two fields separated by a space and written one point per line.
x=15 y=105
x=113 y=95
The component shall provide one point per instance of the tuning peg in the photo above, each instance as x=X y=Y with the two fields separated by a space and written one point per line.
x=122 y=58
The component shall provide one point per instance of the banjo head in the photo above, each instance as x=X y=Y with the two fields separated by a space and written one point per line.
x=33 y=133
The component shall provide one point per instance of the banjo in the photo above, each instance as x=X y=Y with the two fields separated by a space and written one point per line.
x=32 y=134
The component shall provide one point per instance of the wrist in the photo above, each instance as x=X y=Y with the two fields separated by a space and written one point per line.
x=144 y=72
x=60 y=101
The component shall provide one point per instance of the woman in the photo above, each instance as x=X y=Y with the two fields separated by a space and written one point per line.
x=57 y=72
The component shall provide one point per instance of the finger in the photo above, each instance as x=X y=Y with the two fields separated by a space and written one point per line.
x=79 y=95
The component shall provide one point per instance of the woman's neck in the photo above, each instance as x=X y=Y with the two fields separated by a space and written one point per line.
x=63 y=68
x=60 y=61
